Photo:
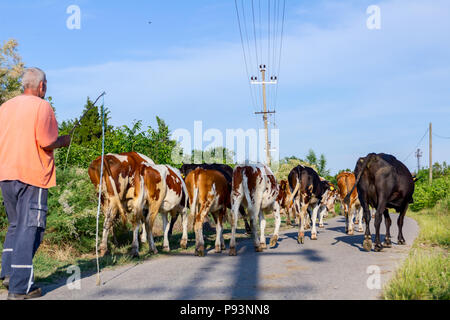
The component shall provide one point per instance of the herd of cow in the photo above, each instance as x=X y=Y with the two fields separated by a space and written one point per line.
x=136 y=189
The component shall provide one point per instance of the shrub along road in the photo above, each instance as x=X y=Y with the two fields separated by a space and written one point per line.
x=333 y=267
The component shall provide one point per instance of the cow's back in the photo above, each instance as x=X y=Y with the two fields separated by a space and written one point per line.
x=206 y=182
x=346 y=181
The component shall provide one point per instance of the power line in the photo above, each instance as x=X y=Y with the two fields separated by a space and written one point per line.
x=281 y=47
x=245 y=57
x=420 y=141
x=439 y=136
x=254 y=33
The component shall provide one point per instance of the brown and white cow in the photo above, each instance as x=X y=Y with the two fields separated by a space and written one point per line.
x=255 y=187
x=346 y=180
x=121 y=190
x=284 y=195
x=208 y=191
x=164 y=192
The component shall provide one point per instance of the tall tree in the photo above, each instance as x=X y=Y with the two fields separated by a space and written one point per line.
x=11 y=69
x=90 y=127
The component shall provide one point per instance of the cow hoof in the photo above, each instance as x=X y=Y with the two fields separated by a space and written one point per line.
x=301 y=239
x=223 y=247
x=313 y=236
x=153 y=251
x=273 y=241
x=401 y=242
x=367 y=244
x=263 y=245
x=356 y=222
x=321 y=226
x=360 y=229
x=258 y=249
x=218 y=249
x=232 y=251
x=166 y=249
x=134 y=253
x=183 y=243
x=200 y=251
x=378 y=247
x=387 y=244
x=350 y=232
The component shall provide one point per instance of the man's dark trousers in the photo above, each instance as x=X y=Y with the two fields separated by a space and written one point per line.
x=26 y=208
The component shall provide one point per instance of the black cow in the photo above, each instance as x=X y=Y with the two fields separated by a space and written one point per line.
x=227 y=172
x=383 y=182
x=308 y=192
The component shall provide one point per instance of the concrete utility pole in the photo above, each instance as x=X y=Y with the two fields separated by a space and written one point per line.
x=262 y=69
x=431 y=153
x=418 y=156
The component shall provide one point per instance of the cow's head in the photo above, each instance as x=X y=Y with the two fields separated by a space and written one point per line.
x=330 y=196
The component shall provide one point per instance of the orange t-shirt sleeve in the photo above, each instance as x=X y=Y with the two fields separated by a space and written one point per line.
x=46 y=127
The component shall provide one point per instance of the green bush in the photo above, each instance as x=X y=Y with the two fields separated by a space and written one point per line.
x=72 y=209
x=426 y=195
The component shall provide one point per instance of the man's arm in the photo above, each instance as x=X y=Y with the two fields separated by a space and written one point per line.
x=62 y=141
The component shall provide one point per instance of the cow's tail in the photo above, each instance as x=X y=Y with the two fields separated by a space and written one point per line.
x=185 y=205
x=366 y=162
x=116 y=194
x=294 y=192
x=194 y=200
x=245 y=187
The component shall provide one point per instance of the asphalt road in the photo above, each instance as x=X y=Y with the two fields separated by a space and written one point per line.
x=333 y=267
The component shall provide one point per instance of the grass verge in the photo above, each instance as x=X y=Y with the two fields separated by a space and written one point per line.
x=425 y=275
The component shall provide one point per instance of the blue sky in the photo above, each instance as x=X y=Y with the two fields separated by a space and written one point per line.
x=344 y=90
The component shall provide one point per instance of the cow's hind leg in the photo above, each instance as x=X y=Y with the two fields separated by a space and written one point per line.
x=378 y=217
x=253 y=211
x=401 y=217
x=314 y=218
x=144 y=231
x=307 y=223
x=198 y=227
x=135 y=243
x=367 y=243
x=218 y=219
x=302 y=213
x=236 y=202
x=166 y=227
x=248 y=229
x=350 y=220
x=184 y=223
x=149 y=222
x=107 y=225
x=277 y=216
x=359 y=218
x=322 y=214
x=173 y=219
x=387 y=220
x=262 y=228
x=346 y=213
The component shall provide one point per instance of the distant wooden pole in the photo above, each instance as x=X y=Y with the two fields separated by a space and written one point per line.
x=431 y=154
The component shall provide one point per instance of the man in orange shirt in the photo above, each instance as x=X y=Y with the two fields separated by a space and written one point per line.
x=28 y=136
